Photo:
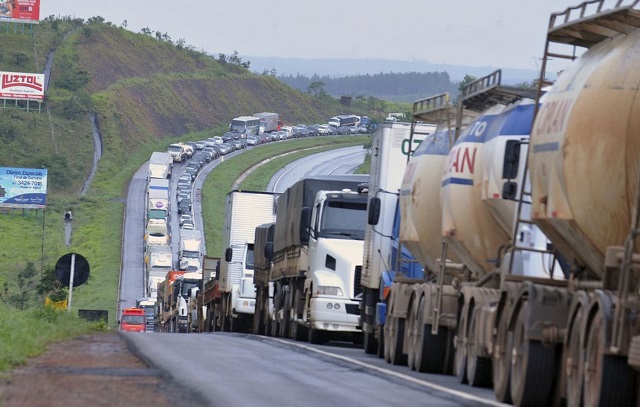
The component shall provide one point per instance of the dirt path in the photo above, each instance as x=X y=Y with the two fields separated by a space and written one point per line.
x=94 y=370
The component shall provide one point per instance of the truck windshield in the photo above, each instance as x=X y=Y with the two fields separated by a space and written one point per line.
x=186 y=286
x=175 y=149
x=133 y=319
x=190 y=254
x=343 y=218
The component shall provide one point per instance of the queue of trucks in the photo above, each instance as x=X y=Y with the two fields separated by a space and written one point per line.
x=497 y=244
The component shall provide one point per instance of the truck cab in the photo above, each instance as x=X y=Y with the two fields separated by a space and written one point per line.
x=133 y=320
x=335 y=233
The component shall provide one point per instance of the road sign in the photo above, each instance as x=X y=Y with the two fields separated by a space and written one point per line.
x=80 y=272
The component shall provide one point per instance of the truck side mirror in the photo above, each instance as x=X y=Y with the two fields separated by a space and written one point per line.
x=305 y=223
x=268 y=251
x=228 y=254
x=374 y=211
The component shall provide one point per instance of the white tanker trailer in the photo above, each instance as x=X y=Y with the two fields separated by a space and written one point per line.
x=584 y=163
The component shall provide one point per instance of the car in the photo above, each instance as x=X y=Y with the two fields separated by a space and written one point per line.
x=227 y=137
x=252 y=141
x=192 y=166
x=312 y=130
x=237 y=144
x=182 y=188
x=200 y=159
x=208 y=155
x=225 y=149
x=213 y=152
x=187 y=226
x=184 y=194
x=218 y=140
x=193 y=145
x=185 y=217
x=184 y=206
x=185 y=179
x=192 y=172
x=200 y=145
x=297 y=131
x=324 y=129
x=210 y=142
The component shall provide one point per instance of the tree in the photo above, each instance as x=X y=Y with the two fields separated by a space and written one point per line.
x=25 y=284
x=124 y=24
x=467 y=80
x=146 y=31
x=316 y=88
x=49 y=286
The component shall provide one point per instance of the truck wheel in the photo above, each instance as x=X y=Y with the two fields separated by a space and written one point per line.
x=387 y=340
x=460 y=341
x=297 y=330
x=380 y=332
x=316 y=337
x=501 y=363
x=258 y=315
x=608 y=380
x=532 y=366
x=284 y=322
x=574 y=351
x=413 y=325
x=370 y=344
x=430 y=350
x=478 y=367
x=396 y=340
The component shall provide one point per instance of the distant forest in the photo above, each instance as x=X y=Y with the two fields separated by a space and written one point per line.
x=397 y=87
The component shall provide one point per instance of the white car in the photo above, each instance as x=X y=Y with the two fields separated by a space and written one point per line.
x=185 y=218
x=187 y=226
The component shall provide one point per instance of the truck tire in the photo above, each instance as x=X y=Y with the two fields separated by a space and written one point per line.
x=316 y=337
x=461 y=347
x=380 y=333
x=478 y=367
x=608 y=380
x=258 y=315
x=501 y=363
x=532 y=367
x=396 y=340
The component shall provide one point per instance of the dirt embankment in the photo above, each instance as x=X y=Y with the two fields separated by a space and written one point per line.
x=94 y=370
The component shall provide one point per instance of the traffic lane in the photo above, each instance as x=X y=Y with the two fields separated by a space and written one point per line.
x=338 y=161
x=248 y=370
x=132 y=278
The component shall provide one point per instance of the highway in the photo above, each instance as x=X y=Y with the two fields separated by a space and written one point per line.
x=248 y=370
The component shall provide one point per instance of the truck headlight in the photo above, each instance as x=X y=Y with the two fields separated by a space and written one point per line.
x=329 y=290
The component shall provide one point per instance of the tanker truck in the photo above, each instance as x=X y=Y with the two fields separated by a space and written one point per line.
x=579 y=342
x=456 y=221
x=391 y=146
x=317 y=256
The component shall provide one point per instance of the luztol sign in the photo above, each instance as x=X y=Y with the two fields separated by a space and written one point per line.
x=16 y=85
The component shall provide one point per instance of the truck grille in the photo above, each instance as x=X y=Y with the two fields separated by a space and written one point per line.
x=357 y=286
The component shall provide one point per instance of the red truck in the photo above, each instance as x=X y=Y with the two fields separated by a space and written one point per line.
x=133 y=320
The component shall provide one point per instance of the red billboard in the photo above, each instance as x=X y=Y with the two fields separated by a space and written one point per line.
x=20 y=10
x=22 y=86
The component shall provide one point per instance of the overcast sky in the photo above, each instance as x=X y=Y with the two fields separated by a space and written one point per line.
x=505 y=33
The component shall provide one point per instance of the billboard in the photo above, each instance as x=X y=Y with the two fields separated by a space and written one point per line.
x=23 y=187
x=21 y=11
x=21 y=86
